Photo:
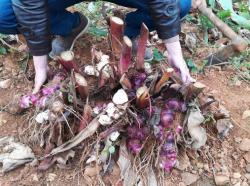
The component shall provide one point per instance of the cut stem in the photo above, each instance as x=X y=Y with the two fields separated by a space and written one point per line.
x=126 y=55
x=81 y=85
x=142 y=97
x=142 y=44
x=116 y=35
x=67 y=61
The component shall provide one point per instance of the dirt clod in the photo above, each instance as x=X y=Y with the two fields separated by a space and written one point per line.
x=189 y=178
x=221 y=179
x=245 y=145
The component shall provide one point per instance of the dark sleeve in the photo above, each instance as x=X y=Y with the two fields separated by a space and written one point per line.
x=33 y=22
x=166 y=16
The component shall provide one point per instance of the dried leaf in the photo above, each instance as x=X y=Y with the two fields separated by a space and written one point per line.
x=246 y=114
x=124 y=162
x=14 y=154
x=197 y=133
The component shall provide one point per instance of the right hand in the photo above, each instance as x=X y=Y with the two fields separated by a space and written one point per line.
x=41 y=69
x=198 y=3
x=176 y=60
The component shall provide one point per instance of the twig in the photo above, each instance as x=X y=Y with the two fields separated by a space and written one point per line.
x=8 y=45
x=67 y=124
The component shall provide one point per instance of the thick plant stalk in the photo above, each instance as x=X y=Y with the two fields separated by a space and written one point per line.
x=66 y=59
x=142 y=44
x=81 y=85
x=116 y=35
x=86 y=117
x=126 y=55
x=165 y=77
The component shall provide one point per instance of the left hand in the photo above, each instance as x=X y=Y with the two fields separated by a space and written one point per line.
x=176 y=60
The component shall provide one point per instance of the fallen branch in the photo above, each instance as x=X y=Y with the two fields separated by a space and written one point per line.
x=238 y=42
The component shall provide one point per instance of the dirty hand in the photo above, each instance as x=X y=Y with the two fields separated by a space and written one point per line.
x=41 y=68
x=176 y=60
x=197 y=3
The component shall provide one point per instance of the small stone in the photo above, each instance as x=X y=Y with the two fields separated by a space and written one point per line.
x=200 y=165
x=244 y=184
x=236 y=175
x=237 y=184
x=91 y=171
x=234 y=181
x=51 y=177
x=35 y=178
x=246 y=114
x=238 y=139
x=181 y=184
x=200 y=171
x=247 y=157
x=206 y=167
x=245 y=145
x=34 y=163
x=248 y=168
x=5 y=83
x=247 y=176
x=189 y=178
x=221 y=179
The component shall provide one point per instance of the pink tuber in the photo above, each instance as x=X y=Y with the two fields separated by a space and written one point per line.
x=168 y=153
x=134 y=146
x=176 y=105
x=167 y=119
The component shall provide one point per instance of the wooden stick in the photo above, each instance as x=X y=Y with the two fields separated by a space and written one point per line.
x=238 y=42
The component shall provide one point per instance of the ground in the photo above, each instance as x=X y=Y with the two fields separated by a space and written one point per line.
x=220 y=155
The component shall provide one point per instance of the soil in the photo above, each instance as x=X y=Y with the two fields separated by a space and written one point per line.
x=234 y=97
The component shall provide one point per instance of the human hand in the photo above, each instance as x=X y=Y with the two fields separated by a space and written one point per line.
x=41 y=68
x=198 y=3
x=176 y=60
